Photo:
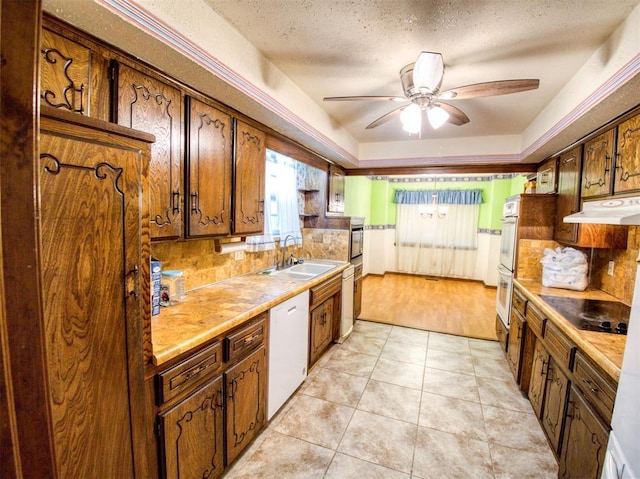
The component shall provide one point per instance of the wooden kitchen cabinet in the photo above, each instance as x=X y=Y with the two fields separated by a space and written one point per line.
x=72 y=76
x=92 y=179
x=321 y=330
x=246 y=386
x=568 y=200
x=627 y=169
x=335 y=194
x=554 y=403
x=191 y=434
x=585 y=441
x=598 y=165
x=517 y=329
x=502 y=333
x=538 y=380
x=148 y=104
x=248 y=189
x=547 y=177
x=209 y=163
x=357 y=291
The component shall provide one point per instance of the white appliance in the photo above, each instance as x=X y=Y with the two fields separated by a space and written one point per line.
x=623 y=451
x=288 y=349
x=507 y=265
x=346 y=320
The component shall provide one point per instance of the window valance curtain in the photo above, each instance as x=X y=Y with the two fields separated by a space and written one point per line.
x=446 y=197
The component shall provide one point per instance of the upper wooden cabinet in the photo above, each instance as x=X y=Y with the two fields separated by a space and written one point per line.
x=546 y=177
x=568 y=201
x=597 y=165
x=209 y=161
x=335 y=195
x=72 y=77
x=627 y=174
x=147 y=104
x=248 y=190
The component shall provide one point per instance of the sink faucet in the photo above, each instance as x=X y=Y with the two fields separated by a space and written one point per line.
x=284 y=249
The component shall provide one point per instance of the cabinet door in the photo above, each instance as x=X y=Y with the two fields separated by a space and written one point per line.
x=321 y=329
x=585 y=441
x=627 y=174
x=192 y=434
x=538 y=377
x=65 y=71
x=246 y=384
x=357 y=297
x=250 y=164
x=597 y=164
x=568 y=201
x=92 y=265
x=209 y=162
x=336 y=190
x=546 y=177
x=516 y=339
x=148 y=105
x=555 y=401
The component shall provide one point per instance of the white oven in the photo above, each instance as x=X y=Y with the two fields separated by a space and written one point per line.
x=508 y=246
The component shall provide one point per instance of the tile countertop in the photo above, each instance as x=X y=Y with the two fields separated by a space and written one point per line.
x=605 y=349
x=216 y=308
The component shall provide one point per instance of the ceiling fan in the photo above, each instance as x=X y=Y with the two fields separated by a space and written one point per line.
x=421 y=83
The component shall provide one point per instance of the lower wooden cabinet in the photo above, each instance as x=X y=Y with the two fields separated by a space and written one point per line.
x=516 y=340
x=502 y=333
x=585 y=440
x=321 y=330
x=357 y=291
x=538 y=377
x=554 y=404
x=192 y=434
x=246 y=385
x=210 y=410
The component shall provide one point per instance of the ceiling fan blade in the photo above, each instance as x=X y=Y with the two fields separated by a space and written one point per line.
x=428 y=71
x=456 y=115
x=386 y=117
x=492 y=88
x=364 y=98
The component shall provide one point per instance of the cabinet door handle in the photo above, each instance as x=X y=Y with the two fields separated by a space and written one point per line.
x=607 y=161
x=544 y=371
x=175 y=199
x=132 y=281
x=594 y=389
x=194 y=202
x=571 y=409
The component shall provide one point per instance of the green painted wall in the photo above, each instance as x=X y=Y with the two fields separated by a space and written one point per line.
x=372 y=197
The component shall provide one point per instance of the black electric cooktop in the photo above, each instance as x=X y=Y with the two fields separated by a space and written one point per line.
x=592 y=314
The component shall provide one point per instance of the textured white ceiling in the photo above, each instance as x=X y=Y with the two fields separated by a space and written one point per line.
x=357 y=47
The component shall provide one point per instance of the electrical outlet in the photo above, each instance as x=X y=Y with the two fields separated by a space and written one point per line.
x=238 y=255
x=610 y=268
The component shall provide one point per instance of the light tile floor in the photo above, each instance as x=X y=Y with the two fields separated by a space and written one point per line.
x=393 y=402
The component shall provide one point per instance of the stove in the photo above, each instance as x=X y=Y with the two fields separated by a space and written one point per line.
x=592 y=314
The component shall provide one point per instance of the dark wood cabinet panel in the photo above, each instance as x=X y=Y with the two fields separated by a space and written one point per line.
x=502 y=334
x=357 y=291
x=191 y=433
x=540 y=362
x=335 y=194
x=93 y=268
x=598 y=165
x=568 y=201
x=246 y=384
x=546 y=177
x=209 y=162
x=585 y=441
x=627 y=174
x=321 y=332
x=516 y=340
x=149 y=105
x=250 y=163
x=555 y=403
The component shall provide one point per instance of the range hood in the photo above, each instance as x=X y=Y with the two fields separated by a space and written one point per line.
x=612 y=211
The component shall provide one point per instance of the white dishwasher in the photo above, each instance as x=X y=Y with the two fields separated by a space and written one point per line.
x=288 y=349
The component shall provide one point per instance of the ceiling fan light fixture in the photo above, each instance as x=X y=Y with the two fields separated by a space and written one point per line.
x=437 y=116
x=411 y=118
x=428 y=71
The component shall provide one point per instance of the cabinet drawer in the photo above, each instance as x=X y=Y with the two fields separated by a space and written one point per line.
x=246 y=339
x=190 y=373
x=519 y=301
x=326 y=290
x=535 y=320
x=599 y=390
x=559 y=346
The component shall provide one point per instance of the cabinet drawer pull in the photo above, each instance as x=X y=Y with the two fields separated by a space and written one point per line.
x=250 y=339
x=194 y=372
x=591 y=387
x=175 y=199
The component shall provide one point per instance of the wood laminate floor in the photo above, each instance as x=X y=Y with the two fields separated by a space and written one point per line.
x=462 y=308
